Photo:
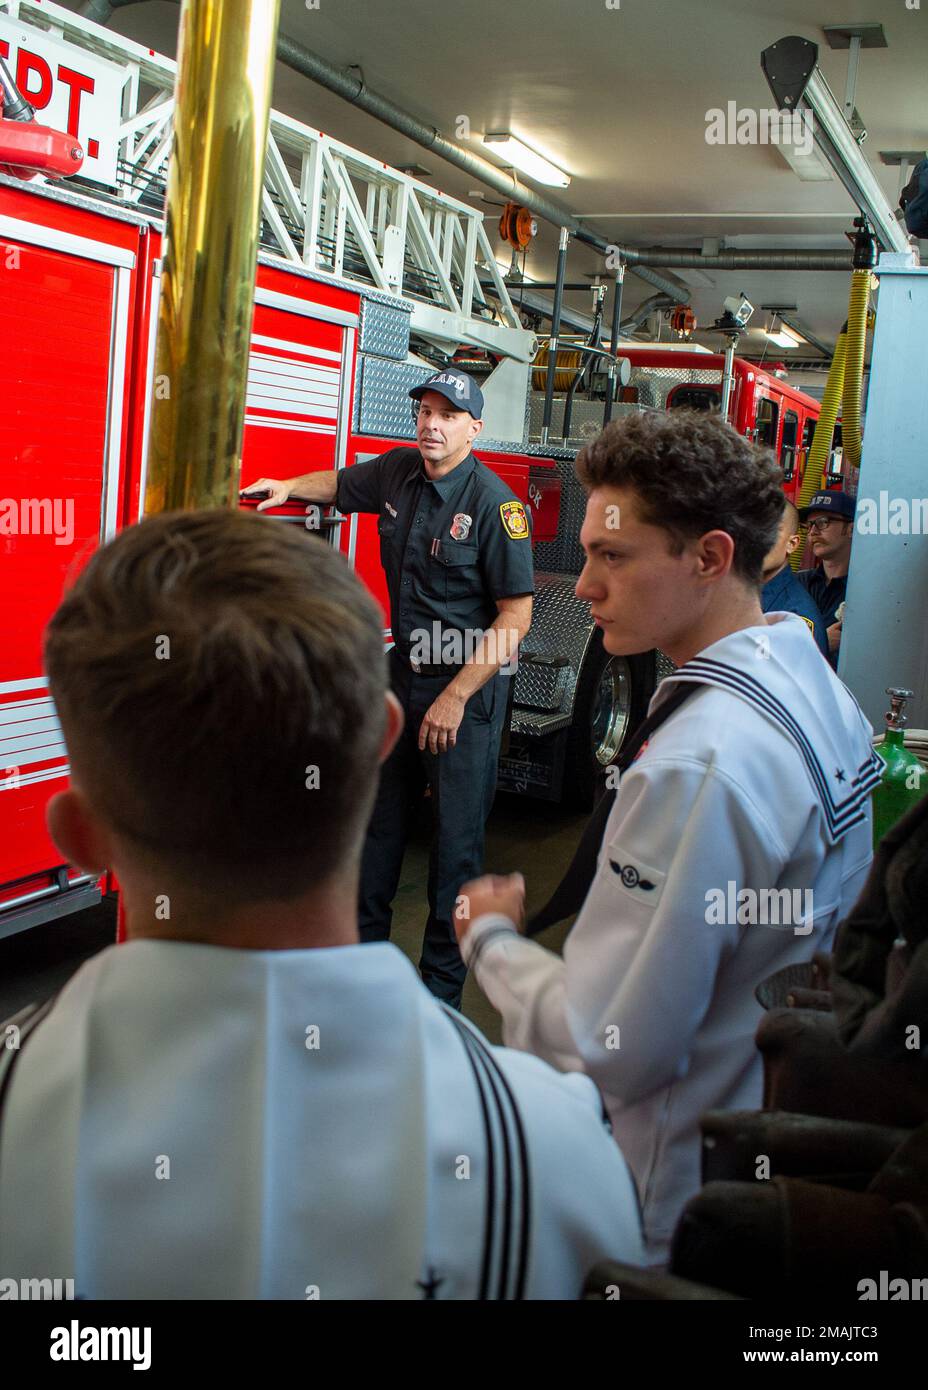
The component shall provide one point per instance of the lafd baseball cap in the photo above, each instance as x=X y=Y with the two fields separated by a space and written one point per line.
x=838 y=503
x=460 y=389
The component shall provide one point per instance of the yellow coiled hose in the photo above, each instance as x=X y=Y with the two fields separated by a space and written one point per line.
x=821 y=440
x=568 y=360
x=854 y=365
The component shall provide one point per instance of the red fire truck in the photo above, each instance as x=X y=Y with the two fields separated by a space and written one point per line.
x=764 y=407
x=369 y=281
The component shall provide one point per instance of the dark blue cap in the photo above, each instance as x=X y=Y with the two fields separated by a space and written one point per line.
x=838 y=503
x=460 y=389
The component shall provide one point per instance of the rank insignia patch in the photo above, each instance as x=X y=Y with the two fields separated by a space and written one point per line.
x=460 y=526
x=514 y=520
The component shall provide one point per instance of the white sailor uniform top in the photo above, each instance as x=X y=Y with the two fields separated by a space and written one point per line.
x=192 y=1121
x=752 y=800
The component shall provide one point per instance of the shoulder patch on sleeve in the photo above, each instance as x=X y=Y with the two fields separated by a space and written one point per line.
x=515 y=522
x=808 y=622
x=641 y=881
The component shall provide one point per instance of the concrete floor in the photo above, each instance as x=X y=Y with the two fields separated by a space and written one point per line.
x=531 y=836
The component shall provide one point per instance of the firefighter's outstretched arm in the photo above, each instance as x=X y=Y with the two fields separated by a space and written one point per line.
x=307 y=487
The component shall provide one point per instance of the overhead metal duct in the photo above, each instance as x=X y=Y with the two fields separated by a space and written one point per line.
x=691 y=258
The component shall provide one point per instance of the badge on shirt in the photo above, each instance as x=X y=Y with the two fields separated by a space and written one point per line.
x=515 y=521
x=808 y=622
x=460 y=526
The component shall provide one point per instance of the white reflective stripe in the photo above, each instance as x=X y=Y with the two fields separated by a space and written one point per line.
x=114 y=399
x=302 y=348
x=25 y=779
x=279 y=397
x=30 y=749
x=37 y=683
x=307 y=393
x=305 y=308
x=270 y=364
x=309 y=408
x=32 y=233
x=276 y=423
x=284 y=371
x=30 y=733
x=16 y=726
x=19 y=709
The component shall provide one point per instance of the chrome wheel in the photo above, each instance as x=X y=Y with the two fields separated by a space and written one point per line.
x=611 y=709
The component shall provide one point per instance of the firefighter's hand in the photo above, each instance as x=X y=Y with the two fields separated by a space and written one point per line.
x=833 y=634
x=278 y=492
x=502 y=894
x=439 y=729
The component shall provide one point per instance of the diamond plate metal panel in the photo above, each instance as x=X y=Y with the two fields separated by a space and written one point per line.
x=586 y=418
x=561 y=626
x=532 y=725
x=564 y=555
x=663 y=667
x=384 y=330
x=385 y=408
x=539 y=687
x=655 y=383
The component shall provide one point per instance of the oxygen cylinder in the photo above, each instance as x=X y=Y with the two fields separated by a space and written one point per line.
x=905 y=777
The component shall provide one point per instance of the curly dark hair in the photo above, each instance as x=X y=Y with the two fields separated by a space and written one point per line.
x=691 y=473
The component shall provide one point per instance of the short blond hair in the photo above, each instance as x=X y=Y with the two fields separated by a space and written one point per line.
x=220 y=680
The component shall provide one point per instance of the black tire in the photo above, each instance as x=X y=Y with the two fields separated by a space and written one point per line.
x=612 y=699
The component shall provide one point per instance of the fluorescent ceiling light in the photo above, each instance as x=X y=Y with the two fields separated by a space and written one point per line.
x=513 y=152
x=807 y=165
x=782 y=334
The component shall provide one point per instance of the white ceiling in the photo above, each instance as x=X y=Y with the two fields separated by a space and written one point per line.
x=618 y=98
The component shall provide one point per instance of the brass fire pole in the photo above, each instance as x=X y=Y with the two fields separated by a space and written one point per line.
x=225 y=72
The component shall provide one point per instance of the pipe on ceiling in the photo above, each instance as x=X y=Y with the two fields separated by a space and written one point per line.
x=691 y=258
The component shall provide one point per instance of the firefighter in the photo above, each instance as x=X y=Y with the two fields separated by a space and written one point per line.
x=831 y=529
x=782 y=591
x=456 y=550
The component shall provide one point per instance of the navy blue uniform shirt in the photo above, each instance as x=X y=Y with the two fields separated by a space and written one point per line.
x=449 y=548
x=784 y=594
x=828 y=594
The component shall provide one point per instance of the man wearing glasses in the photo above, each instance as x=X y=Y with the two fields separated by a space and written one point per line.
x=830 y=516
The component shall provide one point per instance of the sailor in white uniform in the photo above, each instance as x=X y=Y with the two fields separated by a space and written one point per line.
x=192 y=1121
x=242 y=1101
x=737 y=839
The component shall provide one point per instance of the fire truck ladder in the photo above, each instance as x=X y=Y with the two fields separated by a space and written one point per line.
x=326 y=206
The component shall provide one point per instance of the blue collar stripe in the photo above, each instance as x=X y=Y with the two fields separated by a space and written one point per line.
x=840 y=816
